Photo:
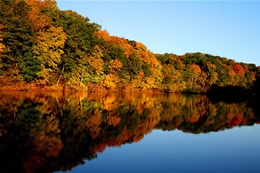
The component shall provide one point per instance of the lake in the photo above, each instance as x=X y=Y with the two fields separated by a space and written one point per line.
x=127 y=132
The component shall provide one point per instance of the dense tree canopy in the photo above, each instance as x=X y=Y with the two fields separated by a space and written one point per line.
x=45 y=46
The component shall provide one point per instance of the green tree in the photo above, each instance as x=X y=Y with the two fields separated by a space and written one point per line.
x=135 y=65
x=30 y=67
x=17 y=33
x=80 y=39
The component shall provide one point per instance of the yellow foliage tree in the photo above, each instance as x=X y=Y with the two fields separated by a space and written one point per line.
x=115 y=65
x=2 y=46
x=48 y=49
x=95 y=60
x=193 y=72
x=110 y=81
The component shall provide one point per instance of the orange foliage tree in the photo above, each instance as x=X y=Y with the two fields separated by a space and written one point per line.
x=239 y=70
x=40 y=19
x=103 y=35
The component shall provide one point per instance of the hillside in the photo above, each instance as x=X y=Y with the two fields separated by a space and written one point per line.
x=42 y=46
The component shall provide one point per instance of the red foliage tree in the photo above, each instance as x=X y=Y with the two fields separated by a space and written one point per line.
x=238 y=69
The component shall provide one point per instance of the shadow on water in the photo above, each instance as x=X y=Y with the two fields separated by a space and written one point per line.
x=229 y=94
x=235 y=94
x=55 y=131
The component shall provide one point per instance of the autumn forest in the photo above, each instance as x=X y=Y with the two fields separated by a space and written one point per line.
x=44 y=47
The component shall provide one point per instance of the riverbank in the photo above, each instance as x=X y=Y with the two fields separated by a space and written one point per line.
x=217 y=93
x=73 y=88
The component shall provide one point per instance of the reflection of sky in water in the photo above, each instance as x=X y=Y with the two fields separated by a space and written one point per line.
x=234 y=150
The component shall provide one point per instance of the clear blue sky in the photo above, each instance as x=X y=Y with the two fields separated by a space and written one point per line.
x=229 y=29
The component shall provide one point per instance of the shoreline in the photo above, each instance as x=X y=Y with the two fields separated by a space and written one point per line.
x=69 y=89
x=217 y=92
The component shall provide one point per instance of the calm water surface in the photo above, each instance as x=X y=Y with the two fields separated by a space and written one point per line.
x=83 y=132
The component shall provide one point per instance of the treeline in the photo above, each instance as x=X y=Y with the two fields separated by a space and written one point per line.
x=41 y=46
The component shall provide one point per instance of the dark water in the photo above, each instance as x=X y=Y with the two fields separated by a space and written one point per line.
x=82 y=132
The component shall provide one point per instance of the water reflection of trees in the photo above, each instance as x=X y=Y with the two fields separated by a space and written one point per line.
x=53 y=131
